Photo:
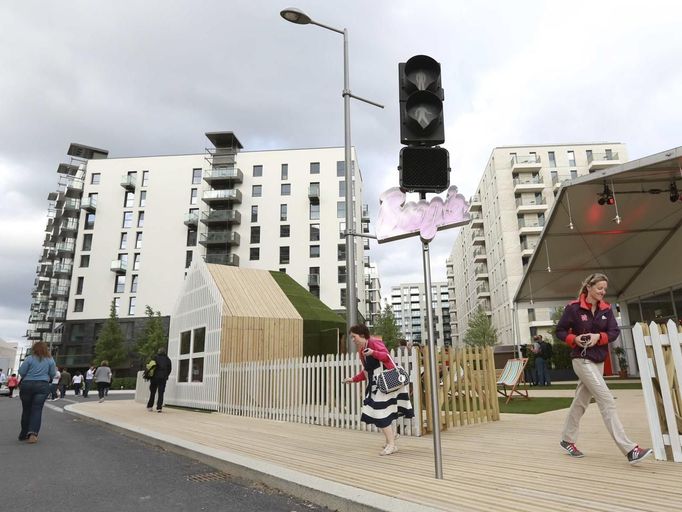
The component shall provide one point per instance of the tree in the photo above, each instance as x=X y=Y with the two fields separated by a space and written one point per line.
x=110 y=343
x=154 y=336
x=480 y=332
x=386 y=327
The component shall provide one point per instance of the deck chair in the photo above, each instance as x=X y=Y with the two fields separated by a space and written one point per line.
x=511 y=378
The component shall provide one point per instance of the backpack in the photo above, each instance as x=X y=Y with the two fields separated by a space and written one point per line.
x=149 y=370
x=546 y=350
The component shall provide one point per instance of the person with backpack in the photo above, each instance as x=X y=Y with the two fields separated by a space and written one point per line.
x=158 y=374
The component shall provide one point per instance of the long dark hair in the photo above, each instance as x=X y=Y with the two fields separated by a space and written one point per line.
x=40 y=350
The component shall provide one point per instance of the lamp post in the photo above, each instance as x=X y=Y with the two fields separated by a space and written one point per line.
x=298 y=17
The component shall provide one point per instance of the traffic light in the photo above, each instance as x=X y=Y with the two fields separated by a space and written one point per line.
x=421 y=102
x=423 y=167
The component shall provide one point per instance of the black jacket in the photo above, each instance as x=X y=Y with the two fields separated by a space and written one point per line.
x=163 y=367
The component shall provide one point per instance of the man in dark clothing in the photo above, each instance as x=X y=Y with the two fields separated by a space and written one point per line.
x=158 y=381
x=541 y=363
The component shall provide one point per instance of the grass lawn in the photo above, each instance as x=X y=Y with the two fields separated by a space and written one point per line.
x=610 y=384
x=535 y=405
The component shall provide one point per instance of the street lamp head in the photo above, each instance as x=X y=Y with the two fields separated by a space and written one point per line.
x=295 y=16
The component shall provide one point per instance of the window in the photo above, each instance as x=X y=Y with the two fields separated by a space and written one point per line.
x=342 y=230
x=314 y=251
x=531 y=315
x=188 y=258
x=120 y=284
x=85 y=261
x=127 y=219
x=133 y=283
x=143 y=198
x=196 y=176
x=340 y=209
x=138 y=240
x=342 y=188
x=588 y=154
x=314 y=167
x=198 y=369
x=342 y=298
x=117 y=305
x=145 y=178
x=87 y=242
x=131 y=306
x=285 y=172
x=256 y=190
x=136 y=261
x=257 y=171
x=89 y=221
x=183 y=371
x=191 y=237
x=283 y=212
x=79 y=285
x=185 y=342
x=283 y=255
x=140 y=220
x=95 y=178
x=574 y=174
x=314 y=232
x=255 y=234
x=254 y=214
x=552 y=158
x=193 y=196
x=340 y=168
x=285 y=189
x=129 y=200
x=78 y=305
x=341 y=274
x=341 y=252
x=254 y=253
x=284 y=231
x=123 y=245
x=199 y=339
x=571 y=158
x=314 y=211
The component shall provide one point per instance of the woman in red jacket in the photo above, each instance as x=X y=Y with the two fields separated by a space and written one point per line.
x=378 y=408
x=588 y=326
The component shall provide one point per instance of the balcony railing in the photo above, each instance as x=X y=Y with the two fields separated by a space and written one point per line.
x=67 y=246
x=62 y=268
x=221 y=217
x=219 y=237
x=89 y=204
x=69 y=225
x=59 y=291
x=119 y=266
x=593 y=157
x=227 y=174
x=531 y=223
x=223 y=259
x=529 y=181
x=224 y=195
x=314 y=193
x=192 y=219
x=365 y=211
x=528 y=245
x=128 y=182
x=71 y=204
x=532 y=160
x=530 y=202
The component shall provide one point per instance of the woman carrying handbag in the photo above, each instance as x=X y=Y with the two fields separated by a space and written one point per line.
x=379 y=408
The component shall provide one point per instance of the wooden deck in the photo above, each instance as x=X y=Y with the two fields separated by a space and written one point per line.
x=513 y=464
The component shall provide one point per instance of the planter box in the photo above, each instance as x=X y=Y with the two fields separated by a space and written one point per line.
x=557 y=374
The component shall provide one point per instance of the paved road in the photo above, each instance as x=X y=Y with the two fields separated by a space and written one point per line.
x=81 y=466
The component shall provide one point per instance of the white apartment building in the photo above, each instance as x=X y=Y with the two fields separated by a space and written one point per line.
x=408 y=301
x=490 y=254
x=126 y=229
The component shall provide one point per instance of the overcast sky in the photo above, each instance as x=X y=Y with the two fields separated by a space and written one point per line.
x=151 y=77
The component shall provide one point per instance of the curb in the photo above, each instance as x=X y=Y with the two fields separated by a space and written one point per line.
x=248 y=470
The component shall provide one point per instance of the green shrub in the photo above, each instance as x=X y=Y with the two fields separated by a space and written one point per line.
x=561 y=355
x=123 y=382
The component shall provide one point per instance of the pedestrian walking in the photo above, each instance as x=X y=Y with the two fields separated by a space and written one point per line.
x=103 y=379
x=54 y=385
x=89 y=380
x=36 y=372
x=12 y=384
x=64 y=382
x=77 y=382
x=378 y=408
x=588 y=326
x=157 y=382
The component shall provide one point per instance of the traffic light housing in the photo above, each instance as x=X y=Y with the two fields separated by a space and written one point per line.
x=424 y=169
x=421 y=102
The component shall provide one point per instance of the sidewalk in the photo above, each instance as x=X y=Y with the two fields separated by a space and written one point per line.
x=513 y=464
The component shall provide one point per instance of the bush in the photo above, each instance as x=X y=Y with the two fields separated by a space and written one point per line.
x=126 y=382
x=561 y=355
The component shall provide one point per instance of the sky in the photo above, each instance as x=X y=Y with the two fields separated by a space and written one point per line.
x=151 y=77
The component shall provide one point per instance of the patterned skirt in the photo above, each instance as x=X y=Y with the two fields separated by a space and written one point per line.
x=382 y=409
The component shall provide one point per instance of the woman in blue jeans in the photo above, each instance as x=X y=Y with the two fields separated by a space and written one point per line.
x=36 y=372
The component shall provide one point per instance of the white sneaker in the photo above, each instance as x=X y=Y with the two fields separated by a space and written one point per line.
x=395 y=440
x=390 y=448
x=101 y=400
x=149 y=409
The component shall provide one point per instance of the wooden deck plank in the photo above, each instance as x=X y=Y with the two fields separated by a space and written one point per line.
x=513 y=464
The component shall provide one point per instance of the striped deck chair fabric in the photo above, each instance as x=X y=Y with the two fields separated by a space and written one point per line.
x=511 y=378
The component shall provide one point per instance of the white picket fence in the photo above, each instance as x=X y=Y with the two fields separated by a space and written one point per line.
x=306 y=390
x=659 y=357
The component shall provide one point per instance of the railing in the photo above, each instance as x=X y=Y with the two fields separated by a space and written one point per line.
x=531 y=224
x=229 y=173
x=475 y=199
x=72 y=204
x=531 y=202
x=524 y=159
x=528 y=181
x=128 y=181
x=229 y=194
x=217 y=216
x=66 y=246
x=477 y=233
x=222 y=259
x=591 y=157
x=530 y=246
x=89 y=203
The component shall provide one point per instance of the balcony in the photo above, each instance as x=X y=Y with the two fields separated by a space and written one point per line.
x=482 y=290
x=68 y=225
x=480 y=255
x=192 y=219
x=71 y=204
x=530 y=205
x=525 y=163
x=477 y=237
x=596 y=161
x=225 y=176
x=223 y=259
x=221 y=217
x=481 y=272
x=475 y=203
x=42 y=326
x=313 y=279
x=68 y=246
x=365 y=212
x=485 y=306
x=128 y=182
x=58 y=314
x=72 y=186
x=219 y=238
x=33 y=335
x=119 y=266
x=528 y=227
x=89 y=204
x=37 y=317
x=528 y=247
x=229 y=195
x=62 y=269
x=55 y=338
x=59 y=292
x=534 y=184
x=314 y=193
x=476 y=219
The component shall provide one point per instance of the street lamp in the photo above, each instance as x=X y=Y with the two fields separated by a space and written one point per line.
x=298 y=17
